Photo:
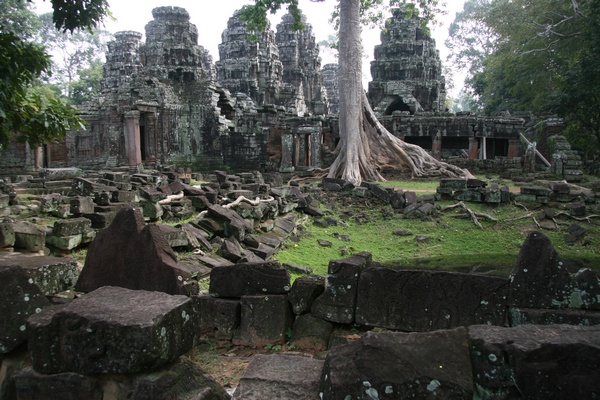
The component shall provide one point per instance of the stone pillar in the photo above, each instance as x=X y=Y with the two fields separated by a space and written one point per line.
x=132 y=138
x=287 y=146
x=436 y=147
x=513 y=148
x=473 y=148
x=315 y=149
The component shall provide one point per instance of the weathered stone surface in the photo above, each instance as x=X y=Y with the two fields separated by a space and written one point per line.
x=180 y=380
x=535 y=362
x=20 y=298
x=219 y=318
x=29 y=384
x=249 y=279
x=71 y=226
x=7 y=235
x=310 y=333
x=429 y=300
x=304 y=291
x=133 y=255
x=541 y=280
x=281 y=377
x=29 y=236
x=11 y=364
x=264 y=320
x=233 y=224
x=536 y=316
x=113 y=330
x=50 y=274
x=393 y=365
x=338 y=301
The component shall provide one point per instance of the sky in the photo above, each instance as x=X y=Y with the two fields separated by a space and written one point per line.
x=210 y=17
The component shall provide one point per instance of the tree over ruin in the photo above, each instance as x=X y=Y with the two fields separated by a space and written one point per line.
x=365 y=144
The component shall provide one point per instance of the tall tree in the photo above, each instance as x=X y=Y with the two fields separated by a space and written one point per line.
x=72 y=51
x=365 y=144
x=27 y=113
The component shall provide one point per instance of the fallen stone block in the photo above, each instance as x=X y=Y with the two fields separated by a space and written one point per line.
x=20 y=298
x=133 y=255
x=7 y=235
x=419 y=301
x=304 y=292
x=112 y=330
x=281 y=377
x=338 y=301
x=535 y=362
x=310 y=333
x=219 y=318
x=264 y=320
x=81 y=205
x=29 y=236
x=71 y=226
x=541 y=280
x=249 y=279
x=50 y=274
x=536 y=316
x=394 y=365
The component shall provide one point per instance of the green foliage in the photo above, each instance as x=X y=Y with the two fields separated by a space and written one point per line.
x=27 y=111
x=72 y=52
x=87 y=86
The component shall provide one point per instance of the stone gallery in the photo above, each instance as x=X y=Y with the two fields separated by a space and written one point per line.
x=267 y=103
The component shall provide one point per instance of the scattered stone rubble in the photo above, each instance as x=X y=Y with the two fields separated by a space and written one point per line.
x=144 y=301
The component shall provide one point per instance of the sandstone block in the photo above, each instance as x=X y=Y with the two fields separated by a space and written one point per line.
x=113 y=330
x=249 y=279
x=264 y=320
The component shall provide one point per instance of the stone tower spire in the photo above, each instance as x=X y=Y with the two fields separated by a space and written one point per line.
x=407 y=70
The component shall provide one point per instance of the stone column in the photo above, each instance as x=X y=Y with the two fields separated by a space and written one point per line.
x=513 y=148
x=132 y=138
x=287 y=145
x=436 y=147
x=473 y=148
x=315 y=149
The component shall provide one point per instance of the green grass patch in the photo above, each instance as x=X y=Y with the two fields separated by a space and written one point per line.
x=454 y=242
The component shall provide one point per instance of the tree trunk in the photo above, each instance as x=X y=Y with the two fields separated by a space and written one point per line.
x=366 y=145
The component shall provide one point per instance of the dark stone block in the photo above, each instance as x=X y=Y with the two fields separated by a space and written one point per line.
x=249 y=279
x=219 y=318
x=233 y=224
x=133 y=255
x=71 y=226
x=338 y=301
x=381 y=193
x=304 y=291
x=397 y=199
x=535 y=191
x=535 y=362
x=534 y=316
x=29 y=384
x=7 y=235
x=282 y=377
x=453 y=184
x=411 y=198
x=29 y=236
x=264 y=320
x=400 y=366
x=81 y=205
x=19 y=299
x=310 y=333
x=113 y=330
x=50 y=274
x=541 y=280
x=429 y=300
x=476 y=183
x=151 y=194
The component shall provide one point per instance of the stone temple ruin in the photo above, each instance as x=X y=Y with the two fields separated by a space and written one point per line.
x=266 y=104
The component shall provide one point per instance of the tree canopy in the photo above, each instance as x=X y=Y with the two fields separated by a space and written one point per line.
x=533 y=55
x=27 y=112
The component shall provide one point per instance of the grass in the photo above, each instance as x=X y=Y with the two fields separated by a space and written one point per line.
x=454 y=244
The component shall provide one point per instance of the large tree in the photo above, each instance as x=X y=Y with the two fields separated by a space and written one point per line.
x=538 y=55
x=27 y=112
x=365 y=144
x=72 y=51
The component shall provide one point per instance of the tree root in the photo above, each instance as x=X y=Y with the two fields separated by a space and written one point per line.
x=171 y=198
x=471 y=213
x=581 y=219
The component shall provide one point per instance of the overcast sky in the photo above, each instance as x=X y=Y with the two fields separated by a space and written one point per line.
x=210 y=17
